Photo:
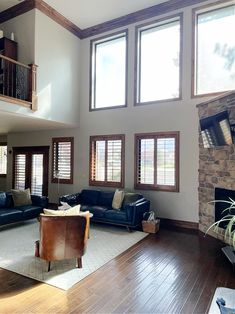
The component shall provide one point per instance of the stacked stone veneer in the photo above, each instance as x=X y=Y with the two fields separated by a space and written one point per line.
x=216 y=165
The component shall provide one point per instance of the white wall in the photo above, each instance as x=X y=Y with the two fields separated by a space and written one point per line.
x=168 y=116
x=44 y=138
x=57 y=53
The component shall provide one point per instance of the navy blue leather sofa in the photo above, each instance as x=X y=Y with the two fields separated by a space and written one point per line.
x=99 y=203
x=10 y=214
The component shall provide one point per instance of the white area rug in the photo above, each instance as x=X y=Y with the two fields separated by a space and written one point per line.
x=17 y=253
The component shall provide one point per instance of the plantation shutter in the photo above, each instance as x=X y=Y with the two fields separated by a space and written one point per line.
x=145 y=173
x=20 y=171
x=30 y=166
x=37 y=174
x=157 y=161
x=114 y=160
x=3 y=159
x=107 y=160
x=62 y=160
x=166 y=161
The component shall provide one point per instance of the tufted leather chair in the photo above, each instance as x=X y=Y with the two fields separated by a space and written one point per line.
x=63 y=237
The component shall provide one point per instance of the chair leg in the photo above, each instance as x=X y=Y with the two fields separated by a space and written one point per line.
x=49 y=266
x=129 y=229
x=79 y=262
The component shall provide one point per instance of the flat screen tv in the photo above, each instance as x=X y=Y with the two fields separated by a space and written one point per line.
x=216 y=130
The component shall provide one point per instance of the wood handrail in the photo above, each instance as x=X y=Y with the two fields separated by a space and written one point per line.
x=18 y=82
x=14 y=61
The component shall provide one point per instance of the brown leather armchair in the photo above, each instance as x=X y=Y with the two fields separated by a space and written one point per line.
x=63 y=237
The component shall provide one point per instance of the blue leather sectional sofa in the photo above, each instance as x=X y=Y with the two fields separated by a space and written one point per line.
x=10 y=214
x=99 y=203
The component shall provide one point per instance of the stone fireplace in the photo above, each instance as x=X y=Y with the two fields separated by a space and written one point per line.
x=217 y=164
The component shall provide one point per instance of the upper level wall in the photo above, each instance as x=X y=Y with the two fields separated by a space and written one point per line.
x=57 y=53
x=162 y=116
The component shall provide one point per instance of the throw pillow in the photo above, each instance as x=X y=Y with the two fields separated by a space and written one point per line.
x=130 y=198
x=21 y=197
x=117 y=199
x=73 y=211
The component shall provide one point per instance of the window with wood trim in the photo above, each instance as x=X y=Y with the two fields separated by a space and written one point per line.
x=158 y=62
x=107 y=160
x=3 y=159
x=62 y=159
x=157 y=161
x=30 y=169
x=214 y=60
x=108 y=76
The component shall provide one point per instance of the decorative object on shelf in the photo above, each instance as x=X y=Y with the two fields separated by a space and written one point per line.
x=1 y=33
x=12 y=36
x=229 y=233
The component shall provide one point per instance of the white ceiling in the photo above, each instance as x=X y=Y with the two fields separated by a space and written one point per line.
x=86 y=13
x=11 y=123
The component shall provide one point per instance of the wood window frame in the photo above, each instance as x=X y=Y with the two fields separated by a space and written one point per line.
x=107 y=138
x=155 y=136
x=3 y=175
x=203 y=9
x=29 y=150
x=58 y=140
x=93 y=44
x=153 y=24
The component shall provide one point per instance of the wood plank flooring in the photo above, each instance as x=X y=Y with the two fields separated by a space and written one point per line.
x=170 y=272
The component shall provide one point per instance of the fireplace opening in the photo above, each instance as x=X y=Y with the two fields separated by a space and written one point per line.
x=223 y=195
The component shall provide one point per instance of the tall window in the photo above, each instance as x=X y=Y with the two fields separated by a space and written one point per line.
x=107 y=160
x=30 y=169
x=157 y=161
x=108 y=71
x=215 y=51
x=62 y=159
x=3 y=159
x=158 y=61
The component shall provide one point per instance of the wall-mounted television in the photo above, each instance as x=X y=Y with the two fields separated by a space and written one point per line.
x=216 y=130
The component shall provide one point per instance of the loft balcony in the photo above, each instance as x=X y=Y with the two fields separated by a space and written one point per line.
x=18 y=82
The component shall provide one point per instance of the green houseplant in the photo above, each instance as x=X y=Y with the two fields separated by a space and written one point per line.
x=229 y=220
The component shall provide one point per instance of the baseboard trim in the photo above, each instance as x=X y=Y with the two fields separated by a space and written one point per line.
x=181 y=224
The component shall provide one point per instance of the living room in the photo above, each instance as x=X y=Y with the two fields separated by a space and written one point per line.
x=62 y=51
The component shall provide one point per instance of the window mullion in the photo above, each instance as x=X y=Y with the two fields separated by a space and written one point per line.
x=155 y=161
x=106 y=162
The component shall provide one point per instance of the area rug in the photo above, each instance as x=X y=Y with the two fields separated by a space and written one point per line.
x=228 y=296
x=17 y=253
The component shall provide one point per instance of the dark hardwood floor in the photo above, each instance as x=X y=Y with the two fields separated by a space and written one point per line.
x=170 y=272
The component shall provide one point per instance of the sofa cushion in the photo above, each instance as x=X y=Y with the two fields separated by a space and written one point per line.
x=130 y=198
x=89 y=197
x=72 y=211
x=9 y=200
x=30 y=211
x=118 y=199
x=10 y=215
x=97 y=211
x=105 y=198
x=3 y=199
x=21 y=197
x=114 y=215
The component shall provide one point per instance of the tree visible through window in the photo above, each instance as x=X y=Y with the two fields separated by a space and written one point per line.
x=158 y=61
x=108 y=71
x=3 y=159
x=107 y=160
x=157 y=161
x=215 y=51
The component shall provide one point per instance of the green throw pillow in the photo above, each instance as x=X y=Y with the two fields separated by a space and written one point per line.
x=130 y=198
x=21 y=197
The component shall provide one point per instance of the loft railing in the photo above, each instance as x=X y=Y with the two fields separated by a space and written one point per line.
x=18 y=82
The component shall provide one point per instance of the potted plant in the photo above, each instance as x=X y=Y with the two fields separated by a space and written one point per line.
x=229 y=233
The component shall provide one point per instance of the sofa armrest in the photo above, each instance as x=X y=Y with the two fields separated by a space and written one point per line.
x=38 y=200
x=71 y=199
x=136 y=210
